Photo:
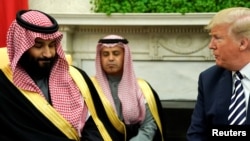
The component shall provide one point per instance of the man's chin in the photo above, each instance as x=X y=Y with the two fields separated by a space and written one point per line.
x=113 y=72
x=219 y=63
x=45 y=65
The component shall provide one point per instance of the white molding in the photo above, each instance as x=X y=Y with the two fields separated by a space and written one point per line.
x=167 y=48
x=134 y=19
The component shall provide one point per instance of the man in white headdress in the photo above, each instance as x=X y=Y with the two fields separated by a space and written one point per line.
x=133 y=107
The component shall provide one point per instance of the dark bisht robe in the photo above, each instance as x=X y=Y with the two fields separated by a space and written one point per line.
x=132 y=130
x=21 y=120
x=161 y=115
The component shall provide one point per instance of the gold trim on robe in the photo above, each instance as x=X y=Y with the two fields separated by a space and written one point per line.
x=48 y=111
x=118 y=124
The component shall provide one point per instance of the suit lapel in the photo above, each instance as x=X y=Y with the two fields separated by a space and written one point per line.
x=248 y=114
x=224 y=96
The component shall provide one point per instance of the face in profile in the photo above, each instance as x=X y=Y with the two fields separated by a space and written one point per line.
x=39 y=59
x=225 y=47
x=112 y=59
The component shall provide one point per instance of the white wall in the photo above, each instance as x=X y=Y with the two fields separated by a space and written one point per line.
x=171 y=80
x=169 y=50
x=61 y=6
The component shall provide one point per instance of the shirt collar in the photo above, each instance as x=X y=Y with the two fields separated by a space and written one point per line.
x=245 y=71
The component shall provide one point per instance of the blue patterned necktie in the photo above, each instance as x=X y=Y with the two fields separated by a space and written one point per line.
x=237 y=108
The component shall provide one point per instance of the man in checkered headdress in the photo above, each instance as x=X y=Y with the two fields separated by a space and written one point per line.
x=41 y=95
x=133 y=107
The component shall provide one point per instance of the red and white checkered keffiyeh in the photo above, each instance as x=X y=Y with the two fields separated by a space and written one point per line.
x=65 y=95
x=129 y=93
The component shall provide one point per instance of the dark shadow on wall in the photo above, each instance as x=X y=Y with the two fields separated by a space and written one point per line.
x=178 y=115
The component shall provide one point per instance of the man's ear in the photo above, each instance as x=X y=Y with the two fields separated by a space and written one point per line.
x=244 y=43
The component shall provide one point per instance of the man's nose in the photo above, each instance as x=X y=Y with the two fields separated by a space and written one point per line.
x=47 y=52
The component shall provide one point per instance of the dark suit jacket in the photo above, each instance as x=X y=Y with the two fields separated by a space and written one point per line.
x=211 y=109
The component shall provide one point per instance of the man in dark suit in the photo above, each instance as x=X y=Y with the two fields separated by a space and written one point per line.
x=230 y=43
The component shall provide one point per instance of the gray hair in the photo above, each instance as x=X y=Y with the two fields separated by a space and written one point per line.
x=237 y=17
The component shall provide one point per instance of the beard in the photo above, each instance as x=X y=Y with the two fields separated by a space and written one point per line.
x=37 y=67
